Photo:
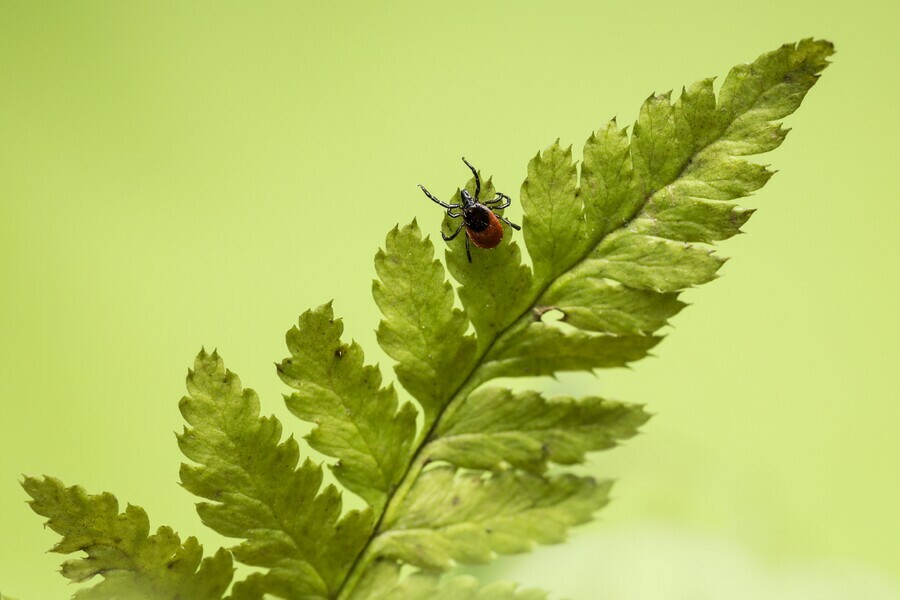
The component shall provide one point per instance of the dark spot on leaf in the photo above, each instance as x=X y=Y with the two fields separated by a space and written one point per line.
x=339 y=353
x=455 y=501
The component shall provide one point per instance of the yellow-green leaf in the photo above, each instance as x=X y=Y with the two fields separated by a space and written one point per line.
x=134 y=564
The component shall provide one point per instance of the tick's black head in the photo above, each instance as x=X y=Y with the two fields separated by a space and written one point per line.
x=466 y=198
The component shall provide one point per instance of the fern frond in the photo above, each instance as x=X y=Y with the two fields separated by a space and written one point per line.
x=539 y=349
x=496 y=429
x=384 y=582
x=470 y=518
x=134 y=564
x=422 y=330
x=612 y=246
x=258 y=493
x=357 y=421
x=554 y=228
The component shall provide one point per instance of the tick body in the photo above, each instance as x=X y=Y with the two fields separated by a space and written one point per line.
x=481 y=223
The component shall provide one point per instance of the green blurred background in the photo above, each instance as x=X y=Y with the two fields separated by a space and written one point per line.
x=178 y=174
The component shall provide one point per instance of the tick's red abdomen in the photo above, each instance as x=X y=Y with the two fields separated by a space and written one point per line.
x=490 y=236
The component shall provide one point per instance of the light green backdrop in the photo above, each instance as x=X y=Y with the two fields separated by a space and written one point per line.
x=178 y=174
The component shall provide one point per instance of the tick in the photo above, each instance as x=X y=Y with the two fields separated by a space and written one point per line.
x=481 y=222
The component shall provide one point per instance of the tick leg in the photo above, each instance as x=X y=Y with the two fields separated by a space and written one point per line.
x=451 y=215
x=447 y=238
x=510 y=223
x=444 y=204
x=477 y=179
x=468 y=252
x=500 y=198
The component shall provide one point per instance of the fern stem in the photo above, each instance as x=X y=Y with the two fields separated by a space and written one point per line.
x=367 y=554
